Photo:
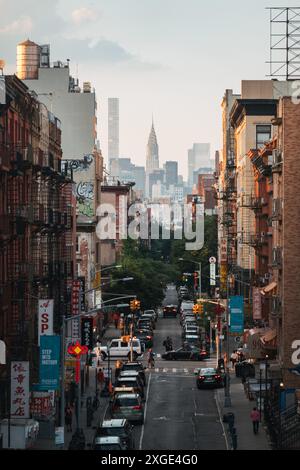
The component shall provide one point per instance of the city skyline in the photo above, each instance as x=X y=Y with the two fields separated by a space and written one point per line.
x=148 y=75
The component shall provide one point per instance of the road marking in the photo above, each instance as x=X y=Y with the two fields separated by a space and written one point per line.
x=158 y=355
x=165 y=370
x=186 y=371
x=156 y=370
x=221 y=421
x=145 y=413
x=174 y=370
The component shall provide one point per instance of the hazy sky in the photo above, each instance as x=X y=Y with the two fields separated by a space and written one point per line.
x=172 y=58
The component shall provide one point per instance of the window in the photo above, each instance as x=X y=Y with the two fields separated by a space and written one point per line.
x=263 y=134
x=114 y=344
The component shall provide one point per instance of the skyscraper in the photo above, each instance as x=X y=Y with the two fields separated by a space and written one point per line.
x=152 y=158
x=113 y=128
x=198 y=157
x=171 y=169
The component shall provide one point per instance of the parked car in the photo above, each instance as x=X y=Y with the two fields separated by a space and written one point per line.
x=150 y=317
x=120 y=348
x=185 y=353
x=192 y=340
x=209 y=377
x=135 y=366
x=170 y=311
x=133 y=373
x=145 y=337
x=134 y=382
x=117 y=428
x=154 y=313
x=128 y=406
x=144 y=324
x=108 y=443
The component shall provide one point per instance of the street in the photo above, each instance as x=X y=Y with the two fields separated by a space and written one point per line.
x=177 y=414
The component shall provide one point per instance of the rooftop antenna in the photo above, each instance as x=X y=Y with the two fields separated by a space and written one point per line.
x=284 y=43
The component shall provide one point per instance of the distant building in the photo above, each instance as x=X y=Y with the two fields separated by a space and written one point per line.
x=139 y=175
x=171 y=169
x=153 y=178
x=113 y=129
x=198 y=157
x=152 y=157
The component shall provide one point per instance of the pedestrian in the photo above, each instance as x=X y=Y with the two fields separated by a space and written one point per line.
x=150 y=359
x=116 y=319
x=255 y=417
x=101 y=378
x=118 y=368
x=233 y=358
x=69 y=418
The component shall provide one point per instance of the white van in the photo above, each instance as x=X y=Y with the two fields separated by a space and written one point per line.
x=118 y=348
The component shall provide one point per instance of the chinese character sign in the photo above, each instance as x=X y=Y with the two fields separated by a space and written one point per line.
x=256 y=303
x=87 y=332
x=19 y=389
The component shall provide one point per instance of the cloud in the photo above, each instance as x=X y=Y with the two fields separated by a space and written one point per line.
x=23 y=25
x=83 y=15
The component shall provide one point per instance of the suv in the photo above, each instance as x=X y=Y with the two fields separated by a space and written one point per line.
x=152 y=312
x=129 y=406
x=118 y=347
x=135 y=366
x=170 y=311
x=135 y=382
x=118 y=428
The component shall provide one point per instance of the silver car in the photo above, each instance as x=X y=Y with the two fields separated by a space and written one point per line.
x=128 y=406
x=108 y=443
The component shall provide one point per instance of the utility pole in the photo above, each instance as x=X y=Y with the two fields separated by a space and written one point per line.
x=227 y=401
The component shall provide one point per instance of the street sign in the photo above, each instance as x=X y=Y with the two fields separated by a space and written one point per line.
x=59 y=435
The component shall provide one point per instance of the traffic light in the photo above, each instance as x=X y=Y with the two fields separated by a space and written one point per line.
x=198 y=308
x=135 y=304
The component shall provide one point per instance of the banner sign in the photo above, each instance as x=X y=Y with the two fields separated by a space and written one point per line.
x=257 y=315
x=236 y=309
x=87 y=332
x=19 y=407
x=45 y=318
x=41 y=404
x=212 y=274
x=49 y=362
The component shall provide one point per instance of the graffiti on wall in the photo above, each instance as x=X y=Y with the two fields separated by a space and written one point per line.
x=82 y=165
x=85 y=198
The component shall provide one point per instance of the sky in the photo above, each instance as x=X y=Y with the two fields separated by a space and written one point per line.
x=170 y=58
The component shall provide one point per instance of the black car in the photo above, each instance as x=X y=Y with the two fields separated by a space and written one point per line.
x=186 y=353
x=210 y=377
x=135 y=366
x=145 y=324
x=145 y=336
x=117 y=427
x=170 y=311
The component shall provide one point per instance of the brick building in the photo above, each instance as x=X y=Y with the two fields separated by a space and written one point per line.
x=36 y=223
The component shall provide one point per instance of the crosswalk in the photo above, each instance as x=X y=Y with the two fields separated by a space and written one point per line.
x=182 y=370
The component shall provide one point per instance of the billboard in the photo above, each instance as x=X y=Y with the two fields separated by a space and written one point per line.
x=49 y=362
x=87 y=332
x=236 y=311
x=45 y=318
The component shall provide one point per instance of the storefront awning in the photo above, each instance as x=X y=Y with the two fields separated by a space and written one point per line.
x=268 y=288
x=269 y=336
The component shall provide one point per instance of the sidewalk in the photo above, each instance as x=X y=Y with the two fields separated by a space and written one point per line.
x=49 y=444
x=241 y=407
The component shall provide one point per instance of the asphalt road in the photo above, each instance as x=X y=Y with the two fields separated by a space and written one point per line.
x=178 y=416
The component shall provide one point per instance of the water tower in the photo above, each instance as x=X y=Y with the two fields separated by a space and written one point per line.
x=28 y=60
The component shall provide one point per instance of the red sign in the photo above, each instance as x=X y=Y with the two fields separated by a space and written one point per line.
x=77 y=350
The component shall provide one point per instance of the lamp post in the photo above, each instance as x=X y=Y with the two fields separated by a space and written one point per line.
x=227 y=399
x=199 y=273
x=65 y=321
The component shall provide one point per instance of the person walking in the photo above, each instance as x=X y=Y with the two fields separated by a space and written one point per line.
x=150 y=359
x=118 y=369
x=233 y=358
x=255 y=416
x=116 y=319
x=69 y=418
x=101 y=378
